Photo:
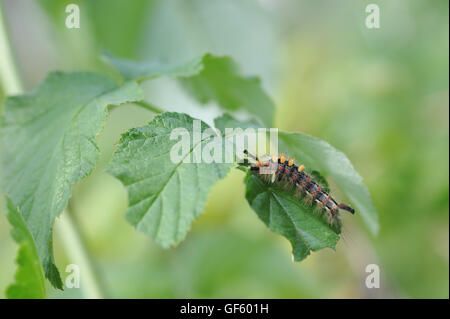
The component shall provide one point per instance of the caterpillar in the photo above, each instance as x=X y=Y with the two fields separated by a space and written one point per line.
x=281 y=170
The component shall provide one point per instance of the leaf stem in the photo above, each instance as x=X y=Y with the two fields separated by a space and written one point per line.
x=70 y=234
x=149 y=107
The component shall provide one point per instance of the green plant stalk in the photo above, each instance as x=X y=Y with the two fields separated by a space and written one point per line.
x=9 y=76
x=76 y=249
x=69 y=233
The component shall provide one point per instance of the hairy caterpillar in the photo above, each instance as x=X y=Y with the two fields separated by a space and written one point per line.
x=281 y=170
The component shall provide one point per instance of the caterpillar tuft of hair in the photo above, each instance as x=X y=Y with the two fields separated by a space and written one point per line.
x=283 y=171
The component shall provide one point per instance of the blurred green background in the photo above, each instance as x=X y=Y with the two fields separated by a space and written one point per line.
x=379 y=95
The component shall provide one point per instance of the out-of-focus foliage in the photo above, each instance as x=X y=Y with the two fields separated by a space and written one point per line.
x=141 y=71
x=380 y=95
x=220 y=80
x=104 y=23
x=208 y=78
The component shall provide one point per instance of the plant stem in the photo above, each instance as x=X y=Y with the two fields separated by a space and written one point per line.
x=9 y=76
x=70 y=235
x=75 y=248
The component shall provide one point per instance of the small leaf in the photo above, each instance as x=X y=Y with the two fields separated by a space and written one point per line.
x=208 y=78
x=29 y=279
x=288 y=216
x=47 y=140
x=165 y=195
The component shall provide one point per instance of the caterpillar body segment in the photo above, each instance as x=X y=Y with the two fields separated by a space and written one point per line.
x=282 y=170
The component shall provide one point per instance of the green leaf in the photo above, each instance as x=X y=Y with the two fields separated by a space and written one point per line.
x=220 y=80
x=319 y=155
x=208 y=78
x=141 y=71
x=47 y=140
x=165 y=195
x=29 y=279
x=288 y=216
